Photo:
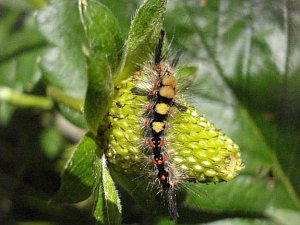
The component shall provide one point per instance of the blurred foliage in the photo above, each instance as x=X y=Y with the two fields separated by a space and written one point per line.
x=248 y=85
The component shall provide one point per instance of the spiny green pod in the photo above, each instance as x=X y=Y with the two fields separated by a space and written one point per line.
x=197 y=150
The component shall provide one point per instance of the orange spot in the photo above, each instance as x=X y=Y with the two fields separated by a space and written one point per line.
x=150 y=105
x=161 y=143
x=163 y=177
x=153 y=92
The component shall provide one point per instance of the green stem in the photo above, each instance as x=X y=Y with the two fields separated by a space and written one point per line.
x=63 y=98
x=24 y=100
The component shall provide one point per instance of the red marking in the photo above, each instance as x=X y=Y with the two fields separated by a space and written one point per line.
x=161 y=143
x=163 y=177
x=154 y=92
x=151 y=143
x=150 y=105
x=156 y=84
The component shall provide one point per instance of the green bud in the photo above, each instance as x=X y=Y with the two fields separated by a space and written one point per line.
x=197 y=150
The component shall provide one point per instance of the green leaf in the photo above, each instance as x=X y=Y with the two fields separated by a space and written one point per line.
x=238 y=195
x=104 y=47
x=108 y=206
x=78 y=177
x=99 y=205
x=123 y=10
x=143 y=36
x=64 y=64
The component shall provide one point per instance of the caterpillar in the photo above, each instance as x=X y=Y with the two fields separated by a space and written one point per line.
x=161 y=98
x=178 y=148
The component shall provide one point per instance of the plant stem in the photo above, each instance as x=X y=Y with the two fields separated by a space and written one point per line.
x=63 y=98
x=24 y=100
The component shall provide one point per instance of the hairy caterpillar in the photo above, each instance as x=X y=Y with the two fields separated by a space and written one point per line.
x=181 y=147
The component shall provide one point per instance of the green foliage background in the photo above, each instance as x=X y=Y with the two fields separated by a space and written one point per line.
x=248 y=85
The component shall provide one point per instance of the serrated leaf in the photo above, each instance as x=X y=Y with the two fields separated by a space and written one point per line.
x=142 y=38
x=108 y=206
x=64 y=64
x=104 y=47
x=80 y=174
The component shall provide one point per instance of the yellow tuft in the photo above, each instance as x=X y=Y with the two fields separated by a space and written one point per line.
x=167 y=92
x=169 y=81
x=158 y=126
x=161 y=108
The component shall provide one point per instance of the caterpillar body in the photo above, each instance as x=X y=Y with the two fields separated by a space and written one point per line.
x=181 y=147
x=161 y=99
